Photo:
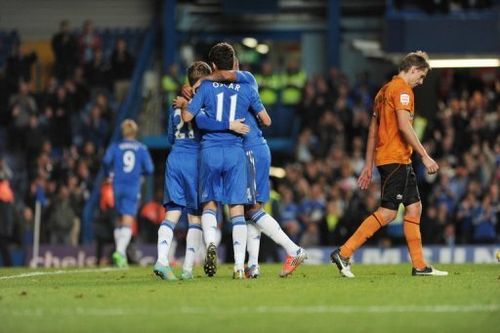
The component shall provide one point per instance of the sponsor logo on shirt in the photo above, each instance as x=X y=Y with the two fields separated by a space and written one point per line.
x=404 y=99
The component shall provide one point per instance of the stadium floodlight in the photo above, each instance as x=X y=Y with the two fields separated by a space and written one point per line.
x=465 y=63
x=250 y=42
x=262 y=48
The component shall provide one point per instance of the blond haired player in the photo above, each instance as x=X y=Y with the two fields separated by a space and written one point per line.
x=391 y=141
x=126 y=162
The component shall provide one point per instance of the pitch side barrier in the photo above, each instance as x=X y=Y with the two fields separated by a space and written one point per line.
x=51 y=256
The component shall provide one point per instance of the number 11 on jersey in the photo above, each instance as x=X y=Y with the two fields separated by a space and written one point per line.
x=220 y=105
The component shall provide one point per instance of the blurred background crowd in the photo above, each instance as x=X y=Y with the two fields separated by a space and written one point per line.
x=52 y=139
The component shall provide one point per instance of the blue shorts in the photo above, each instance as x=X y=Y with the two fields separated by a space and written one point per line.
x=223 y=175
x=126 y=200
x=259 y=159
x=181 y=179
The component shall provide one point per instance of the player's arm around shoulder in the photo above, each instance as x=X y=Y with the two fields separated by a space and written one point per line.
x=264 y=118
x=189 y=109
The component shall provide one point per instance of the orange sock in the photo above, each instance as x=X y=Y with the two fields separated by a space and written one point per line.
x=414 y=241
x=369 y=226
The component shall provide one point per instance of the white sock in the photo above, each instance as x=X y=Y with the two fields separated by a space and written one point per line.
x=268 y=225
x=239 y=241
x=193 y=242
x=165 y=236
x=122 y=234
x=253 y=244
x=209 y=226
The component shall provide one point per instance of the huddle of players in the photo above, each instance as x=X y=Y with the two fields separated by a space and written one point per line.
x=219 y=156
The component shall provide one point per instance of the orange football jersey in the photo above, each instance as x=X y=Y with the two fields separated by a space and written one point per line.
x=391 y=146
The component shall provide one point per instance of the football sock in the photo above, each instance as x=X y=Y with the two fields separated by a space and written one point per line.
x=239 y=240
x=369 y=226
x=411 y=229
x=271 y=228
x=253 y=244
x=122 y=234
x=165 y=236
x=193 y=242
x=209 y=226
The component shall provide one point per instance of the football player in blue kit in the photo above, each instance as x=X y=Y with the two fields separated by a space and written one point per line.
x=181 y=183
x=127 y=161
x=223 y=168
x=259 y=160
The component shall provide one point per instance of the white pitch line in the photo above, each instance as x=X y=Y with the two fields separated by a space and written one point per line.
x=74 y=271
x=337 y=309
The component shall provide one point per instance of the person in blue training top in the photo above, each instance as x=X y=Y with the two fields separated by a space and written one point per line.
x=126 y=161
x=223 y=169
x=259 y=160
x=181 y=182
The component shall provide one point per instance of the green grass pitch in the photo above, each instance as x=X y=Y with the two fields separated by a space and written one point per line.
x=382 y=298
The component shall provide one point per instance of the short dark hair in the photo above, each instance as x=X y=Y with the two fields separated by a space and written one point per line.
x=419 y=59
x=222 y=55
x=197 y=70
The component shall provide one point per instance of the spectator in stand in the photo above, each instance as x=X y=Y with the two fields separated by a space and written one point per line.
x=18 y=67
x=81 y=92
x=61 y=133
x=90 y=156
x=289 y=212
x=293 y=82
x=4 y=109
x=88 y=42
x=65 y=48
x=34 y=137
x=62 y=219
x=102 y=100
x=105 y=223
x=7 y=222
x=171 y=82
x=122 y=65
x=151 y=216
x=269 y=85
x=97 y=72
x=484 y=220
x=22 y=105
x=96 y=129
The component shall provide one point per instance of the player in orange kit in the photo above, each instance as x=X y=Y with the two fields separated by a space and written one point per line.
x=391 y=141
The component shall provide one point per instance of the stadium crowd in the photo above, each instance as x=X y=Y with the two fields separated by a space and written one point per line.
x=52 y=140
x=318 y=201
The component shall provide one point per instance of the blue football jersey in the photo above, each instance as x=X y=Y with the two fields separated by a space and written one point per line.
x=128 y=160
x=224 y=102
x=182 y=135
x=254 y=137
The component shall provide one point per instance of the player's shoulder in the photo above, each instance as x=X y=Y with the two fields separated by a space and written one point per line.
x=247 y=75
x=142 y=146
x=206 y=84
x=398 y=85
